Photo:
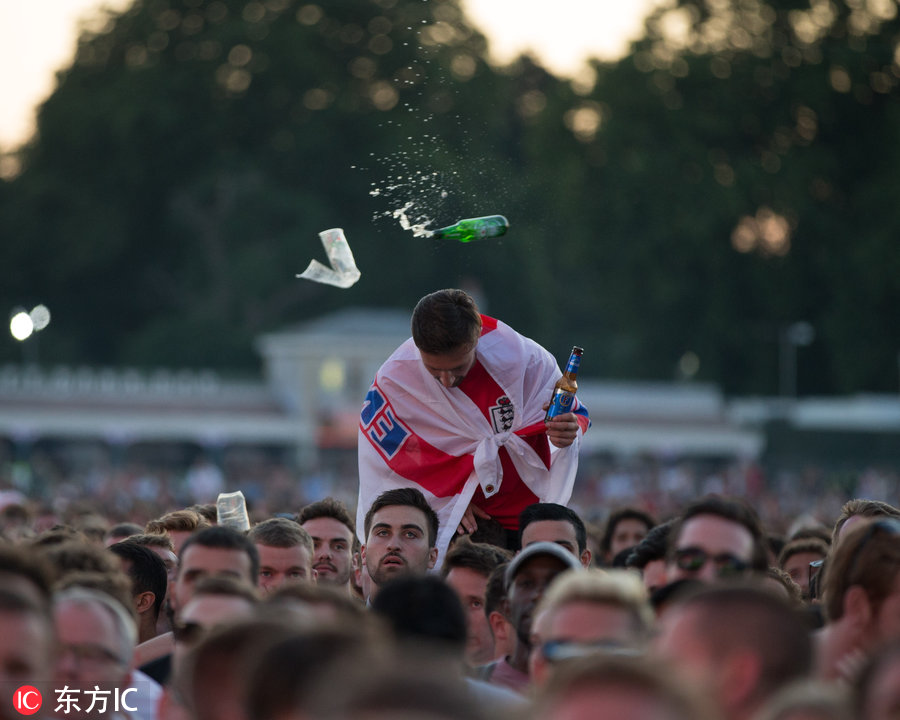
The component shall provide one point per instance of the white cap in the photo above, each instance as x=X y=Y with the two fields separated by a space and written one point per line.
x=540 y=548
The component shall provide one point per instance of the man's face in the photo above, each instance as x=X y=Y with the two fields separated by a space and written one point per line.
x=332 y=545
x=398 y=543
x=627 y=533
x=471 y=586
x=679 y=640
x=592 y=622
x=89 y=649
x=654 y=574
x=797 y=566
x=580 y=623
x=203 y=613
x=560 y=532
x=170 y=560
x=714 y=544
x=450 y=368
x=199 y=561
x=281 y=566
x=26 y=654
x=526 y=589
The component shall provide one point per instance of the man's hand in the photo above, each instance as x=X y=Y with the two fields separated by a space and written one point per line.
x=562 y=429
x=468 y=525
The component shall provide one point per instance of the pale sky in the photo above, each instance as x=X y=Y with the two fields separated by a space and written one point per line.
x=37 y=37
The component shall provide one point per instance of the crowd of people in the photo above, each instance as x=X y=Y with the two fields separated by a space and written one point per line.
x=704 y=614
x=474 y=580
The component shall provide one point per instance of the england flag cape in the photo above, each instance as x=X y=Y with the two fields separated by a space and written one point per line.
x=414 y=432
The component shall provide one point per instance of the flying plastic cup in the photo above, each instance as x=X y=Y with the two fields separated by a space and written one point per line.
x=343 y=272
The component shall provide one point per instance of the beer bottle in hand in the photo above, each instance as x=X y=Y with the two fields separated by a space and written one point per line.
x=566 y=386
x=474 y=229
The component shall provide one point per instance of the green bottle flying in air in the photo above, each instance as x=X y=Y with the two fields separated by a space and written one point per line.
x=474 y=229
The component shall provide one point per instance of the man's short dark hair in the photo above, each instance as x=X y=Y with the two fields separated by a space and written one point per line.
x=285 y=675
x=819 y=532
x=146 y=570
x=280 y=533
x=330 y=508
x=124 y=530
x=748 y=615
x=732 y=509
x=220 y=658
x=617 y=516
x=221 y=537
x=552 y=511
x=795 y=547
x=652 y=547
x=445 y=321
x=409 y=497
x=423 y=608
x=481 y=558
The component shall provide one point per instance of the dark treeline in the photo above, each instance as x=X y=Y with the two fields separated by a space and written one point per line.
x=710 y=189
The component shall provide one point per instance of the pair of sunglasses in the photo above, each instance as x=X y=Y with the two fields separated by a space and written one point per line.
x=692 y=559
x=559 y=650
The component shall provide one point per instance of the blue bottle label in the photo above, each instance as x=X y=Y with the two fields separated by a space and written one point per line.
x=574 y=363
x=561 y=403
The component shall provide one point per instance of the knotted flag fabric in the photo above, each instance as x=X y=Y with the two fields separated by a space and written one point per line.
x=414 y=432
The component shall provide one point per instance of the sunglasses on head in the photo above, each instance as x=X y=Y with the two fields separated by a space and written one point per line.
x=889 y=526
x=559 y=650
x=692 y=559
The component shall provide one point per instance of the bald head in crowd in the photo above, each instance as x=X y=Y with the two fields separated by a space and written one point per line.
x=738 y=642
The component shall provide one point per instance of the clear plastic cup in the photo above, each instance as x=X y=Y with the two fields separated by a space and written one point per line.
x=231 y=511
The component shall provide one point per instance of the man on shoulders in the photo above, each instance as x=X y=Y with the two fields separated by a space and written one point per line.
x=458 y=412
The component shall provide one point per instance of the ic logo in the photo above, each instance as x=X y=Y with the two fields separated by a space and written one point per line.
x=27 y=700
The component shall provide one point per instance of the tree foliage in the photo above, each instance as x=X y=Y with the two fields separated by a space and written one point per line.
x=732 y=175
